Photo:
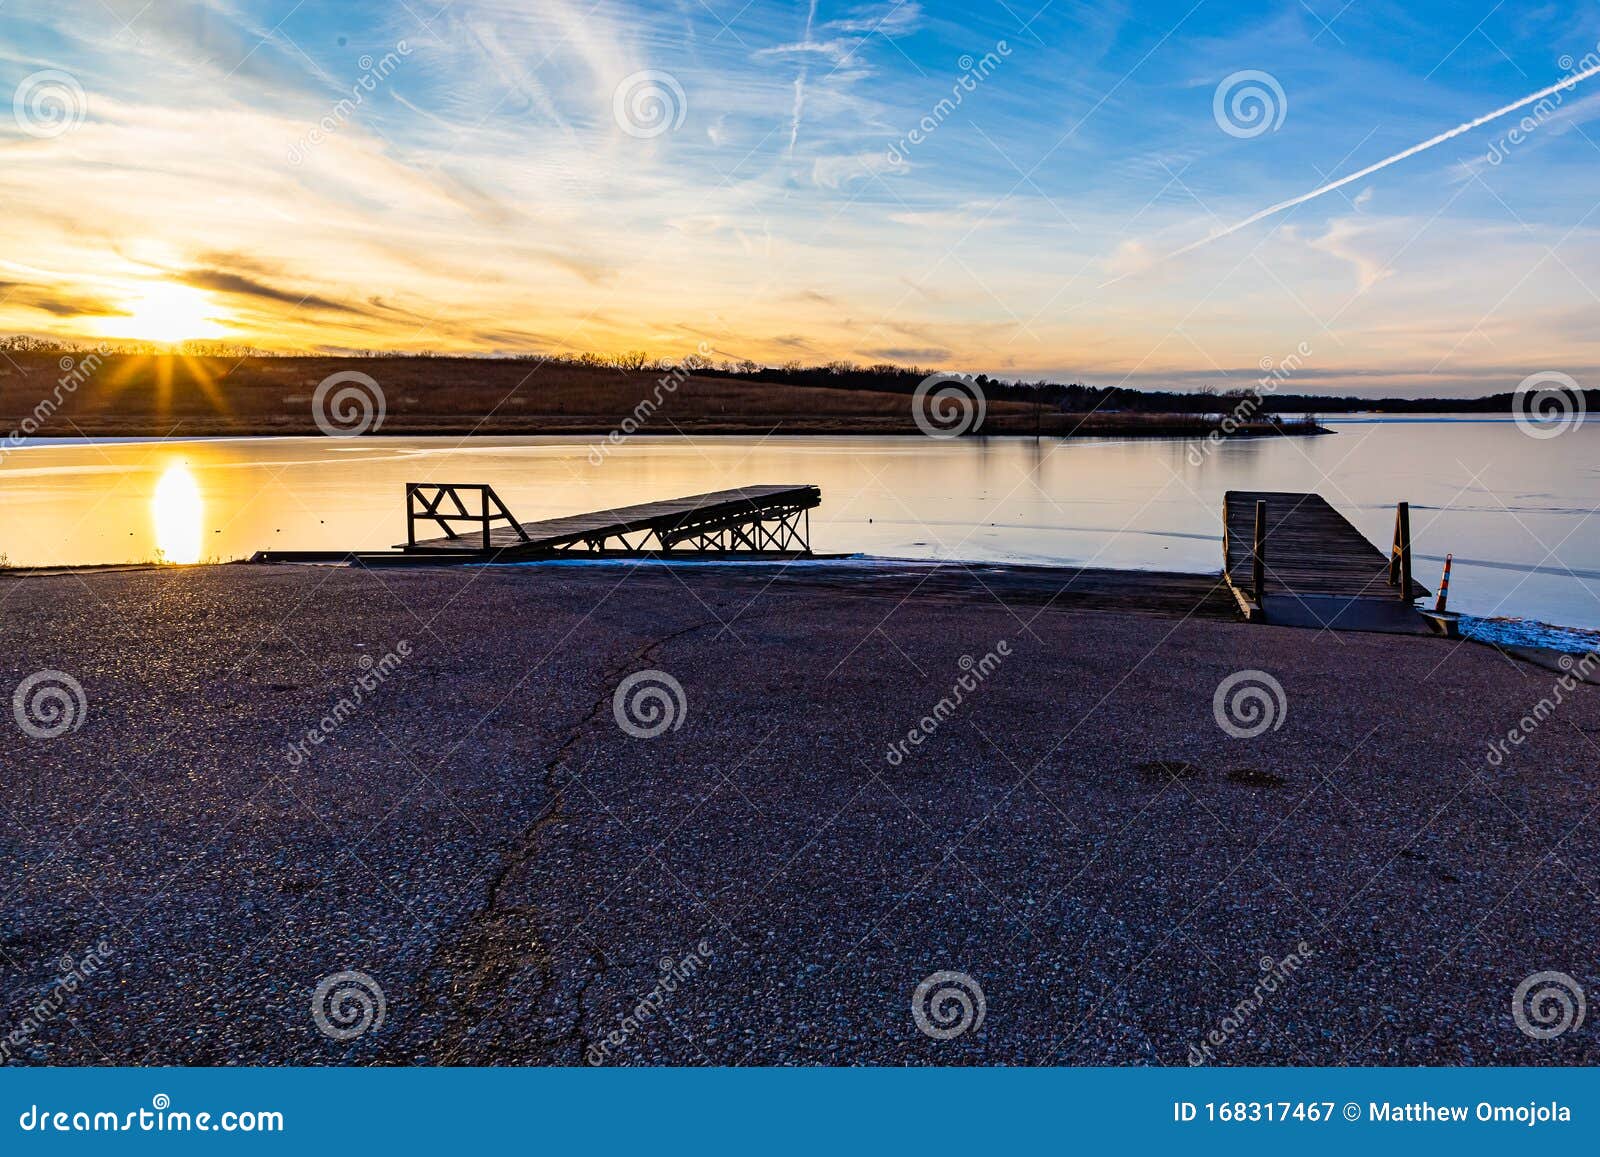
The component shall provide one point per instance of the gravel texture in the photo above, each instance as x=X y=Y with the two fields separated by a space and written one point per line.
x=483 y=840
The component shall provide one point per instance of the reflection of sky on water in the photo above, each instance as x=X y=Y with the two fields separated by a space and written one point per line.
x=1517 y=512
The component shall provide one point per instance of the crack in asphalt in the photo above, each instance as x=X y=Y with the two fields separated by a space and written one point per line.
x=473 y=973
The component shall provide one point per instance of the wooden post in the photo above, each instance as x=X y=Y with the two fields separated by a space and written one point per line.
x=1259 y=562
x=411 y=515
x=1400 y=560
x=1394 y=552
x=1226 y=560
x=484 y=494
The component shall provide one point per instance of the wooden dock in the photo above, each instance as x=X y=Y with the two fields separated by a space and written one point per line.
x=1296 y=555
x=765 y=520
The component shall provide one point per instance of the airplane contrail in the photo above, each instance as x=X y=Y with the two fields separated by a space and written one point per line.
x=799 y=109
x=1560 y=86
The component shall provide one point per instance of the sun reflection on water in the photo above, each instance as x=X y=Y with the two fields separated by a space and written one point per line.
x=178 y=512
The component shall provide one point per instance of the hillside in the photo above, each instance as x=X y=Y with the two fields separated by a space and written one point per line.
x=133 y=394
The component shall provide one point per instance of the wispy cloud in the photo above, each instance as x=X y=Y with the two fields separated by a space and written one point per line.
x=800 y=78
x=485 y=198
x=221 y=281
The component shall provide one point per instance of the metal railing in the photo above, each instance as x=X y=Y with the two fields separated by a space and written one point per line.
x=426 y=502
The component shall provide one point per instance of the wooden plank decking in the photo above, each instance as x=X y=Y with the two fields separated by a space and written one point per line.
x=1311 y=550
x=719 y=508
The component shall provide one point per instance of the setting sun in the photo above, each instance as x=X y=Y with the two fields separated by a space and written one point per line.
x=167 y=314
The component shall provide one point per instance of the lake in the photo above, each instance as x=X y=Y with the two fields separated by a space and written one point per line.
x=1516 y=510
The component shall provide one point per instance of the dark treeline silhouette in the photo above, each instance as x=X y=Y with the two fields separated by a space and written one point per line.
x=1076 y=397
x=882 y=377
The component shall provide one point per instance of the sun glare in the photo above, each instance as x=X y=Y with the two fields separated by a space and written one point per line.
x=168 y=314
x=178 y=511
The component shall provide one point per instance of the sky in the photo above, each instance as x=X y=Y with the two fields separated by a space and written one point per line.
x=983 y=186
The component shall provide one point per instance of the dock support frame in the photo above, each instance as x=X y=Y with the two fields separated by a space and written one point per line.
x=769 y=529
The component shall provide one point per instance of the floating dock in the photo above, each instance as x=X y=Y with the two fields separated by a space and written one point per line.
x=755 y=523
x=1288 y=558
x=1292 y=559
x=771 y=520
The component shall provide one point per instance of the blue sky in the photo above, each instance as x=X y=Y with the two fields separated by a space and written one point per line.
x=488 y=184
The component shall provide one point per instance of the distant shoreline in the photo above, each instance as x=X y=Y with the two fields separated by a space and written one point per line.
x=42 y=441
x=1054 y=426
x=121 y=395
